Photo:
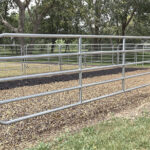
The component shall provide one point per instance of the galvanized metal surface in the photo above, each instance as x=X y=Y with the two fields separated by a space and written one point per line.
x=81 y=54
x=27 y=35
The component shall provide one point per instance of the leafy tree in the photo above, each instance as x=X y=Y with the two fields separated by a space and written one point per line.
x=122 y=13
x=63 y=18
x=141 y=22
x=95 y=16
x=75 y=17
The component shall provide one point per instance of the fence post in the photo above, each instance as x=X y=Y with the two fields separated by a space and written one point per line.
x=80 y=68
x=22 y=61
x=91 y=49
x=143 y=55
x=123 y=63
x=48 y=52
x=135 y=55
x=112 y=55
x=101 y=54
x=5 y=55
x=60 y=58
x=24 y=64
x=118 y=60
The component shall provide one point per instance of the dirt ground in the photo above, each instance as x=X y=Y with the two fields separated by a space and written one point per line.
x=27 y=133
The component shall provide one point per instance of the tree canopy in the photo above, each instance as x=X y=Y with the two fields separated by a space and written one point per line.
x=75 y=17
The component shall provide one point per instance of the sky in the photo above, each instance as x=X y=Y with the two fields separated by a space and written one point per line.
x=32 y=3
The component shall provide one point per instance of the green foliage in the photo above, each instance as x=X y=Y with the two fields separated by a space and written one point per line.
x=80 y=17
x=41 y=146
x=60 y=41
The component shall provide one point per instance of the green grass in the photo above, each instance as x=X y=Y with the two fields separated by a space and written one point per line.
x=116 y=134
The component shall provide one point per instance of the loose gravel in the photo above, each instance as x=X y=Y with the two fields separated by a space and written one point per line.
x=26 y=133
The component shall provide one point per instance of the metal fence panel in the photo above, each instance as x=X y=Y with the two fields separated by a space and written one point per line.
x=114 y=55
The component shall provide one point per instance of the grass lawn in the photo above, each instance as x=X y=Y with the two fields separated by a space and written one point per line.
x=115 y=134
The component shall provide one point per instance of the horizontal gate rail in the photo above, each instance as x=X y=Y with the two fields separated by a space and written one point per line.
x=26 y=35
x=70 y=54
x=81 y=55
x=69 y=89
x=68 y=106
x=66 y=72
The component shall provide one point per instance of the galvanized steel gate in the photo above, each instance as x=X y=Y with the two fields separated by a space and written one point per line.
x=80 y=70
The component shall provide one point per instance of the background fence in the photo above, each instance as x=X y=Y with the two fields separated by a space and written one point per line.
x=18 y=62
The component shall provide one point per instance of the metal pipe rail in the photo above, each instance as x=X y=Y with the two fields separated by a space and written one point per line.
x=68 y=106
x=27 y=35
x=69 y=89
x=66 y=72
x=70 y=54
x=80 y=70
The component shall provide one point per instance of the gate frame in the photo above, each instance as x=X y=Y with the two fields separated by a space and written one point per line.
x=80 y=70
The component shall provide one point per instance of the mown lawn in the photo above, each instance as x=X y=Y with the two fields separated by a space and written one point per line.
x=115 y=134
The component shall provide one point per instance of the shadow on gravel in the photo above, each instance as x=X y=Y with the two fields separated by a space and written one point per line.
x=58 y=78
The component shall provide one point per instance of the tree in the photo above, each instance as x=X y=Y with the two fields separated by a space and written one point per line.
x=21 y=19
x=122 y=13
x=142 y=19
x=34 y=14
x=95 y=16
x=62 y=18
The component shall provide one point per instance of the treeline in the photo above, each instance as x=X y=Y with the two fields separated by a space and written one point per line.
x=99 y=17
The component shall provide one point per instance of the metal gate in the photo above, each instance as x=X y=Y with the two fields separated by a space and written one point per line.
x=118 y=59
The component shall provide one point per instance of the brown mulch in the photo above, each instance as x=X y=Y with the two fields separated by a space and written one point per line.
x=26 y=133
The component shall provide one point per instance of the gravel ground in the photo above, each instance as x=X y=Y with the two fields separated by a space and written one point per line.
x=26 y=133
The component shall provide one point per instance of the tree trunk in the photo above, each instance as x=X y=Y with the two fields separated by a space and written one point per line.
x=123 y=29
x=53 y=46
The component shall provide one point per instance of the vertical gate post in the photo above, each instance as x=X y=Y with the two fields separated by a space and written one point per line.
x=48 y=52
x=143 y=55
x=123 y=63
x=60 y=58
x=135 y=55
x=48 y=59
x=5 y=55
x=24 y=63
x=101 y=54
x=118 y=55
x=112 y=54
x=80 y=68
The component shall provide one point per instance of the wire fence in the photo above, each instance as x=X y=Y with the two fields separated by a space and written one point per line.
x=80 y=57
